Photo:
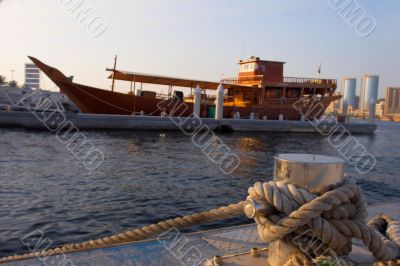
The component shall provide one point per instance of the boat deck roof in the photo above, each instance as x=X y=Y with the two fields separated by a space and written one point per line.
x=169 y=81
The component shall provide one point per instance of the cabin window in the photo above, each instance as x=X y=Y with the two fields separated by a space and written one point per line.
x=247 y=96
x=293 y=92
x=229 y=95
x=273 y=93
x=248 y=67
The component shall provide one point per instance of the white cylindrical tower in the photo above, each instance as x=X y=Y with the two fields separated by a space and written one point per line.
x=370 y=90
x=349 y=91
x=219 y=106
x=197 y=101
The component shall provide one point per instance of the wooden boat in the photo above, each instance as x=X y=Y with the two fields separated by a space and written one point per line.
x=396 y=118
x=260 y=88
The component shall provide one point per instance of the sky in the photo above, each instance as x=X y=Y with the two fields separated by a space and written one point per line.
x=197 y=39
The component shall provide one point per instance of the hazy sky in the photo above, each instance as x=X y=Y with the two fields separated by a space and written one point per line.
x=199 y=39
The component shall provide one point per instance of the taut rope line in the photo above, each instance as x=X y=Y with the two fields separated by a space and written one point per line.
x=142 y=233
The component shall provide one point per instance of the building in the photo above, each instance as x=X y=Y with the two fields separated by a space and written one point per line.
x=392 y=106
x=380 y=108
x=369 y=91
x=32 y=76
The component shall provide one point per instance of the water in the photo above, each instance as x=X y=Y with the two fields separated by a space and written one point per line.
x=148 y=177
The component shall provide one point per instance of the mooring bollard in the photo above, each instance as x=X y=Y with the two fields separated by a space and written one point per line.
x=345 y=111
x=197 y=101
x=251 y=116
x=219 y=106
x=317 y=174
x=372 y=111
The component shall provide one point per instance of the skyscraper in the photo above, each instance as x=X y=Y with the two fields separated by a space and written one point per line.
x=32 y=76
x=392 y=103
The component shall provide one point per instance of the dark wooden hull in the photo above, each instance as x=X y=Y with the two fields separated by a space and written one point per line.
x=98 y=101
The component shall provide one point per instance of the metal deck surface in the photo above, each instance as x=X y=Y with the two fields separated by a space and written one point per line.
x=173 y=248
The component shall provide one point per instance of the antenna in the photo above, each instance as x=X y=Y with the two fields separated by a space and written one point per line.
x=319 y=70
x=115 y=67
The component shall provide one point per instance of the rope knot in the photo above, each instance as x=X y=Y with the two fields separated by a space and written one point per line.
x=318 y=225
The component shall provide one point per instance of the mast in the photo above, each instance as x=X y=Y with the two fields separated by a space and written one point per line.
x=115 y=67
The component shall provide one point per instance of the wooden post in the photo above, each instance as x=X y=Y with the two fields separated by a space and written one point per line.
x=115 y=67
x=130 y=90
x=134 y=85
x=169 y=91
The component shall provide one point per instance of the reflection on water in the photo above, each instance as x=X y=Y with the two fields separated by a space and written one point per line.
x=247 y=143
x=148 y=177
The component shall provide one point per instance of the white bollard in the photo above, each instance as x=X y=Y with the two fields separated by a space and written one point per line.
x=345 y=108
x=219 y=106
x=317 y=174
x=237 y=115
x=139 y=92
x=280 y=117
x=372 y=111
x=302 y=118
x=142 y=113
x=197 y=101
x=265 y=117
x=251 y=116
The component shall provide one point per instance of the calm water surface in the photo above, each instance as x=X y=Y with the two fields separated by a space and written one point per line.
x=148 y=177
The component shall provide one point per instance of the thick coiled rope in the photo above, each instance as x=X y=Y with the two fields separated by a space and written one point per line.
x=334 y=217
x=142 y=233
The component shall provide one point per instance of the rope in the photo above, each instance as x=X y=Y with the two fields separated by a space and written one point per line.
x=142 y=233
x=334 y=218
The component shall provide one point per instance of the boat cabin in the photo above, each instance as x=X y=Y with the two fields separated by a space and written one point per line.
x=265 y=83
